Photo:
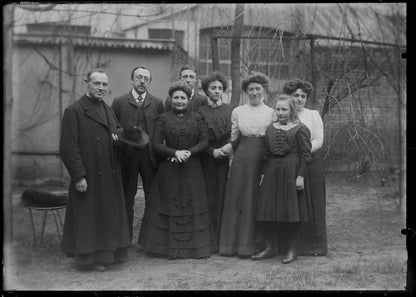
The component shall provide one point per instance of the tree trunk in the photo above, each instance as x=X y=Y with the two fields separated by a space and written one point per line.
x=7 y=109
x=235 y=54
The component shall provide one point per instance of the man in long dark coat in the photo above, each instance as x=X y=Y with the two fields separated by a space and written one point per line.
x=140 y=108
x=95 y=230
x=188 y=74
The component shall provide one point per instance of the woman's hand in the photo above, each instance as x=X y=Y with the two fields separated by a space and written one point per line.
x=227 y=149
x=182 y=155
x=299 y=183
x=218 y=153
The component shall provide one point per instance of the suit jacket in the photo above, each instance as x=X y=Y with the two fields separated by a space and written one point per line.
x=126 y=110
x=197 y=101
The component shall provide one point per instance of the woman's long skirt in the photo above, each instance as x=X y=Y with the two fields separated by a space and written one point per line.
x=177 y=222
x=237 y=235
x=216 y=172
x=313 y=235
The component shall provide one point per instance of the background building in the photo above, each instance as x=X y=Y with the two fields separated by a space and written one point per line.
x=350 y=52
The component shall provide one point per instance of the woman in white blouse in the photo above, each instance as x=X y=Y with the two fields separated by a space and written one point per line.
x=249 y=123
x=312 y=236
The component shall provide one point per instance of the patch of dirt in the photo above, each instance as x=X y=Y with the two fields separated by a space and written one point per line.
x=366 y=252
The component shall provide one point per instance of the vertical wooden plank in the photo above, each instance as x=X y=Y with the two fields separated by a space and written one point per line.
x=8 y=11
x=313 y=101
x=235 y=54
x=214 y=53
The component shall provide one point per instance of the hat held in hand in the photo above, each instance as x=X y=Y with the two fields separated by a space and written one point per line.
x=134 y=135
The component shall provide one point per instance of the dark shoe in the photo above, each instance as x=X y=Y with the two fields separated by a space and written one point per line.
x=98 y=268
x=290 y=256
x=264 y=254
x=90 y=267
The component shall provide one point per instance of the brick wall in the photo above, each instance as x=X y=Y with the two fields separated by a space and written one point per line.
x=362 y=122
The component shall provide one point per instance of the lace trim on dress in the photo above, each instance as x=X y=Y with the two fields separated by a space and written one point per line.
x=182 y=220
x=182 y=236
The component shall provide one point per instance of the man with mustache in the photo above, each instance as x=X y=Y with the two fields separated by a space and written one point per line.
x=140 y=108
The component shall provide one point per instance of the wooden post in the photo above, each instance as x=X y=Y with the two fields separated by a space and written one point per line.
x=8 y=11
x=402 y=132
x=235 y=54
x=313 y=101
x=214 y=53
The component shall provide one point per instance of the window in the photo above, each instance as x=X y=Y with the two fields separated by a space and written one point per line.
x=167 y=34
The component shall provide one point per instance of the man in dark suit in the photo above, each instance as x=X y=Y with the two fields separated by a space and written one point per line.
x=138 y=107
x=188 y=74
x=95 y=230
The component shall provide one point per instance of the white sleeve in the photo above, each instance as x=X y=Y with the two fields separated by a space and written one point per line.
x=235 y=132
x=317 y=132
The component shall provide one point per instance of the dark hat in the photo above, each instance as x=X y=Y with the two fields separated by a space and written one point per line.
x=134 y=135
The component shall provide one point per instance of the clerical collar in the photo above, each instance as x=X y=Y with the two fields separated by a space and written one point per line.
x=94 y=99
x=136 y=95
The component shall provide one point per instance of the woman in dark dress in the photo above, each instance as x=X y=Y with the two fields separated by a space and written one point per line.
x=313 y=235
x=283 y=201
x=248 y=123
x=177 y=221
x=215 y=159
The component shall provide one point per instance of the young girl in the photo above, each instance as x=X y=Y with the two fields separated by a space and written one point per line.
x=283 y=201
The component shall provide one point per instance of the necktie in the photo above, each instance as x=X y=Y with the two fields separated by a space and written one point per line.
x=140 y=100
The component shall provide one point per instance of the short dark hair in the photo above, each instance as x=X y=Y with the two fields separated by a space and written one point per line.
x=88 y=76
x=187 y=67
x=292 y=105
x=140 y=67
x=206 y=80
x=256 y=77
x=292 y=85
x=180 y=86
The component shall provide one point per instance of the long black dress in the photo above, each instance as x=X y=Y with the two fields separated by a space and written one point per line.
x=216 y=170
x=313 y=235
x=177 y=223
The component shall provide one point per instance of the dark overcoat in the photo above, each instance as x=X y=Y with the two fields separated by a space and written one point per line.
x=95 y=220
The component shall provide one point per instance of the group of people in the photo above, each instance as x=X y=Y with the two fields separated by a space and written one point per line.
x=245 y=181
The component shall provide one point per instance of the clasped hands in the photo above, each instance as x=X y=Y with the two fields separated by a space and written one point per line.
x=181 y=156
x=223 y=151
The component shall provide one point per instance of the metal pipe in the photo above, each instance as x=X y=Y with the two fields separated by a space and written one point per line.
x=314 y=36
